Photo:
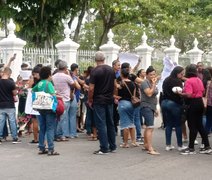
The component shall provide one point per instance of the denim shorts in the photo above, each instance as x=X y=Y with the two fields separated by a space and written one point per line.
x=126 y=112
x=148 y=115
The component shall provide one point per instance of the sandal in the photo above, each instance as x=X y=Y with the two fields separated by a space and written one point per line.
x=53 y=153
x=43 y=152
x=92 y=139
x=153 y=152
x=134 y=145
x=124 y=146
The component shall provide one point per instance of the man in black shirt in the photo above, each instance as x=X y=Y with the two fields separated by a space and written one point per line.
x=100 y=98
x=7 y=105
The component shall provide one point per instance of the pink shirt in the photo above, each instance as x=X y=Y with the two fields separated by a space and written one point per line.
x=194 y=86
x=62 y=84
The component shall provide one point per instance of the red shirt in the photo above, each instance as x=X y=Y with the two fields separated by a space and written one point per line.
x=194 y=86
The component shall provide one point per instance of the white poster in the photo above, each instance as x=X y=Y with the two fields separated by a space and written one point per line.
x=25 y=74
x=130 y=58
x=28 y=107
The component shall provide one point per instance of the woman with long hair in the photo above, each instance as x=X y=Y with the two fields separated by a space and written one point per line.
x=172 y=107
x=126 y=109
x=193 y=91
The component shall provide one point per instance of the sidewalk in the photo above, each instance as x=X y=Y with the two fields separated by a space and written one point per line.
x=77 y=162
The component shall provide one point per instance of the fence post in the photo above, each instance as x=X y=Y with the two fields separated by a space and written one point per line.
x=13 y=45
x=195 y=54
x=110 y=49
x=145 y=52
x=67 y=49
x=172 y=51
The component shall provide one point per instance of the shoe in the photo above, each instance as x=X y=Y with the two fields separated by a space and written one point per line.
x=140 y=141
x=16 y=141
x=41 y=152
x=0 y=141
x=196 y=142
x=169 y=147
x=188 y=151
x=207 y=150
x=99 y=152
x=33 y=142
x=182 y=148
x=73 y=137
x=112 y=151
x=53 y=153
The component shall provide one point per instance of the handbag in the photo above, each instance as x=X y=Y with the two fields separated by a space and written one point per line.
x=136 y=101
x=60 y=107
x=205 y=99
x=44 y=101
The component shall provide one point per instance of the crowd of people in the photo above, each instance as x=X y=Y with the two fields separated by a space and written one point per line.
x=104 y=94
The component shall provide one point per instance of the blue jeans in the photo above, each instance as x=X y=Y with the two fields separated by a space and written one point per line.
x=173 y=114
x=47 y=122
x=63 y=124
x=10 y=113
x=103 y=115
x=72 y=123
x=137 y=121
x=89 y=120
x=208 y=125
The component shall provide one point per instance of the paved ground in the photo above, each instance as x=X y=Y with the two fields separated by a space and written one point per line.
x=21 y=162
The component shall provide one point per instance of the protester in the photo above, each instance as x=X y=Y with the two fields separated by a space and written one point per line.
x=126 y=109
x=193 y=91
x=100 y=98
x=63 y=83
x=47 y=118
x=7 y=106
x=148 y=107
x=75 y=103
x=208 y=125
x=172 y=107
x=116 y=67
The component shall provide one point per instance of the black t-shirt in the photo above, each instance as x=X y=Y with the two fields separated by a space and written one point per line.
x=168 y=84
x=124 y=93
x=6 y=94
x=103 y=78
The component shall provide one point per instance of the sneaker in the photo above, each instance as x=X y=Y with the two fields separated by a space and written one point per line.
x=16 y=141
x=205 y=150
x=188 y=151
x=140 y=141
x=196 y=142
x=112 y=151
x=99 y=152
x=169 y=148
x=182 y=148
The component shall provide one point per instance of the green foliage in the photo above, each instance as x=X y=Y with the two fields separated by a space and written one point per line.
x=39 y=20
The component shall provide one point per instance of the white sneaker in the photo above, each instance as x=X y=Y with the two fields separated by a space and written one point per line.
x=182 y=148
x=169 y=148
x=196 y=142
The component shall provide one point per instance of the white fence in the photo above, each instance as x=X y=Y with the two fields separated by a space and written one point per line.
x=35 y=56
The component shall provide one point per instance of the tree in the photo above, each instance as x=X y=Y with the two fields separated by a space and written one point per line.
x=38 y=20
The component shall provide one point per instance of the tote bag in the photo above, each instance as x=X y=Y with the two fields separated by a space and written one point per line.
x=44 y=101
